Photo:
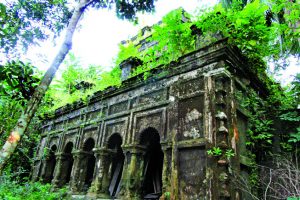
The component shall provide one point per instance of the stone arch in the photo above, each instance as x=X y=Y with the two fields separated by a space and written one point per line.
x=90 y=160
x=50 y=164
x=153 y=163
x=114 y=140
x=67 y=162
x=88 y=144
x=117 y=162
x=68 y=147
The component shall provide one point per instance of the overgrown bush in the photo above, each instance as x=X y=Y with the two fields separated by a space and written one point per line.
x=12 y=190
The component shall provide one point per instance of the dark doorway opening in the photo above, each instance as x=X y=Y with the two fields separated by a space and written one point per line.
x=153 y=164
x=90 y=161
x=117 y=162
x=68 y=163
x=50 y=165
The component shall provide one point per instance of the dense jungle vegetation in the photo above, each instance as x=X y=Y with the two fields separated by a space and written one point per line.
x=265 y=32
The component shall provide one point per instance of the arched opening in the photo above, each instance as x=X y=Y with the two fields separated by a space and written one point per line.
x=88 y=146
x=68 y=162
x=117 y=162
x=153 y=164
x=50 y=164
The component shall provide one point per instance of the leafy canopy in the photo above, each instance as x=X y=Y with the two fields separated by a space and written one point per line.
x=27 y=22
x=18 y=80
x=23 y=23
x=245 y=26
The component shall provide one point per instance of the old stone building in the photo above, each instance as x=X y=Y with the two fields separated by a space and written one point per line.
x=148 y=139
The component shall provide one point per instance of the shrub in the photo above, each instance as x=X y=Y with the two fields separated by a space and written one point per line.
x=12 y=190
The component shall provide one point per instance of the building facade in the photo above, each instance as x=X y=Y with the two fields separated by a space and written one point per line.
x=149 y=139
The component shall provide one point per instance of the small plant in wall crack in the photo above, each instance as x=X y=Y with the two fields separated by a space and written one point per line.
x=167 y=196
x=215 y=151
x=229 y=153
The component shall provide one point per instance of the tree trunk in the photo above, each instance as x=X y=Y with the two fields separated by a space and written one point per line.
x=32 y=105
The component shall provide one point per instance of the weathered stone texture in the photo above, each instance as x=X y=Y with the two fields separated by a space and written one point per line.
x=151 y=137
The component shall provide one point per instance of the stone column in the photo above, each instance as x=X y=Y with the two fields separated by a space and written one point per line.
x=56 y=182
x=101 y=182
x=96 y=184
x=134 y=176
x=43 y=169
x=37 y=170
x=75 y=182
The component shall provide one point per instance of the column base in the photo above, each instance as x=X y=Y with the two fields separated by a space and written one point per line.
x=56 y=184
x=91 y=195
x=103 y=196
x=130 y=195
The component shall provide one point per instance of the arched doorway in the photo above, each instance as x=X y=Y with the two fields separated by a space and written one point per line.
x=68 y=163
x=88 y=146
x=50 y=165
x=117 y=162
x=153 y=164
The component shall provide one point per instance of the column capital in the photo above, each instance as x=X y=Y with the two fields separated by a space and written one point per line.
x=60 y=156
x=104 y=151
x=134 y=149
x=80 y=153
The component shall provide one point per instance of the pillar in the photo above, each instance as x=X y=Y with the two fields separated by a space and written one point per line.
x=76 y=182
x=133 y=177
x=96 y=184
x=102 y=178
x=56 y=182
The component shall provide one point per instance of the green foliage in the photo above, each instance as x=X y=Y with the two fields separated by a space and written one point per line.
x=18 y=80
x=260 y=131
x=244 y=25
x=254 y=173
x=229 y=153
x=20 y=26
x=26 y=22
x=245 y=28
x=215 y=151
x=280 y=107
x=126 y=51
x=287 y=103
x=127 y=9
x=174 y=38
x=287 y=14
x=282 y=17
x=78 y=83
x=293 y=198
x=11 y=190
x=171 y=39
x=295 y=137
x=290 y=117
x=295 y=89
x=167 y=195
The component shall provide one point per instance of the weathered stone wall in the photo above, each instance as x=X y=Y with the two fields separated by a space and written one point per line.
x=190 y=106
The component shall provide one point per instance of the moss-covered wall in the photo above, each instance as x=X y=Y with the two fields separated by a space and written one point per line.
x=189 y=106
